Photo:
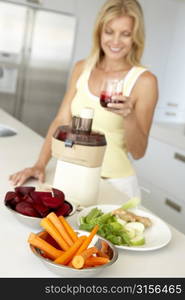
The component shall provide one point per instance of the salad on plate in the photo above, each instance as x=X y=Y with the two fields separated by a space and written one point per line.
x=120 y=226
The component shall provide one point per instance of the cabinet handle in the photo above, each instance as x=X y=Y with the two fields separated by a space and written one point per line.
x=170 y=113
x=34 y=1
x=173 y=205
x=179 y=157
x=172 y=104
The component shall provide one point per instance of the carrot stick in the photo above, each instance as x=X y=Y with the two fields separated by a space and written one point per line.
x=68 y=255
x=69 y=229
x=70 y=264
x=59 y=226
x=50 y=228
x=78 y=261
x=104 y=246
x=42 y=234
x=51 y=251
x=88 y=240
x=102 y=254
x=94 y=261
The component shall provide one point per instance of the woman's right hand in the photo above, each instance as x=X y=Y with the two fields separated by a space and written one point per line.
x=22 y=176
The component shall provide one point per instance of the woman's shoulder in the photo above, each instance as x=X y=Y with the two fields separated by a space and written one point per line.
x=147 y=77
x=79 y=66
x=81 y=72
x=77 y=70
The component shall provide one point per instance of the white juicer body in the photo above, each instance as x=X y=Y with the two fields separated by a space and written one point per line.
x=80 y=184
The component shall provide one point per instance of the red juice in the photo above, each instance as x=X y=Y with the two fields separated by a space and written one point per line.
x=105 y=98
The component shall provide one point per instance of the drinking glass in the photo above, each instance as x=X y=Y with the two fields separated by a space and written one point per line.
x=110 y=87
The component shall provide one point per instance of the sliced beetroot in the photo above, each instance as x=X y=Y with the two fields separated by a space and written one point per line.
x=41 y=209
x=26 y=209
x=24 y=190
x=66 y=202
x=52 y=202
x=59 y=194
x=64 y=210
x=52 y=242
x=9 y=196
x=27 y=198
x=12 y=203
x=39 y=196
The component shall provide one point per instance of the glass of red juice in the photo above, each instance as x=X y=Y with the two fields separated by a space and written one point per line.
x=110 y=87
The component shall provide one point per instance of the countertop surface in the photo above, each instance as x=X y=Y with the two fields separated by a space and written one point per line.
x=17 y=260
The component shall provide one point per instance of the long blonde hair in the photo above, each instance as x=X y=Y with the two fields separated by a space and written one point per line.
x=110 y=10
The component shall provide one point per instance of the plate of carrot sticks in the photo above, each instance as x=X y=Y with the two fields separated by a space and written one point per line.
x=69 y=252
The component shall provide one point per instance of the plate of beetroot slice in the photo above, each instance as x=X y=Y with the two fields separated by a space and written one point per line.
x=27 y=201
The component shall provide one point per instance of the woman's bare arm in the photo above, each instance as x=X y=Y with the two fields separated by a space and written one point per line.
x=63 y=117
x=137 y=111
x=138 y=123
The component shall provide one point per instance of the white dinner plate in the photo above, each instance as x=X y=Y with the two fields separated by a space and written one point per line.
x=156 y=236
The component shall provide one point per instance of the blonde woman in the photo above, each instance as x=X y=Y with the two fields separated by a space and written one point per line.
x=118 y=43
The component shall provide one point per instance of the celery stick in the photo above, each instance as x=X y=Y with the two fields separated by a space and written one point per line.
x=132 y=203
x=94 y=213
x=87 y=227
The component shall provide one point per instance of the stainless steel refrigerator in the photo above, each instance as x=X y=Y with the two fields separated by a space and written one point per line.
x=36 y=47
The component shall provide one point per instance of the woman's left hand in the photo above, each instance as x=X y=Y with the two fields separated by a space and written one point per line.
x=121 y=105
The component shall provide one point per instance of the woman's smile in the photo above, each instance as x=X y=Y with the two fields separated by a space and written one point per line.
x=116 y=37
x=115 y=50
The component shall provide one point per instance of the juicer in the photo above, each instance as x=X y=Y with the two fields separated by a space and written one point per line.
x=79 y=152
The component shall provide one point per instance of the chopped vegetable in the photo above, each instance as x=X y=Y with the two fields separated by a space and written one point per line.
x=87 y=241
x=26 y=209
x=68 y=228
x=68 y=255
x=131 y=203
x=52 y=244
x=51 y=229
x=136 y=226
x=59 y=226
x=120 y=226
x=94 y=261
x=78 y=261
x=138 y=240
x=27 y=201
x=95 y=212
x=38 y=242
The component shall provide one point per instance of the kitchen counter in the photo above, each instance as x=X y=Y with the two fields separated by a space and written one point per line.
x=16 y=259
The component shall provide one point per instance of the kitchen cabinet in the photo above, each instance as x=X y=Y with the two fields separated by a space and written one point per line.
x=171 y=106
x=161 y=175
x=164 y=55
x=170 y=114
x=164 y=204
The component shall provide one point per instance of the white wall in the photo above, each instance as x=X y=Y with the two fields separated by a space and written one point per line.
x=160 y=18
x=86 y=12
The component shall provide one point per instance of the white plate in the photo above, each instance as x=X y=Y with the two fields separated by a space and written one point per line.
x=156 y=236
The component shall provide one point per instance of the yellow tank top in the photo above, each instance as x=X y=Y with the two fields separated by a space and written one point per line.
x=116 y=162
